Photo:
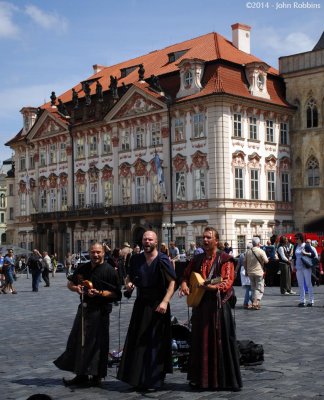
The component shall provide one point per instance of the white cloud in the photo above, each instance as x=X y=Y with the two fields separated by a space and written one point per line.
x=8 y=29
x=283 y=45
x=47 y=20
x=15 y=98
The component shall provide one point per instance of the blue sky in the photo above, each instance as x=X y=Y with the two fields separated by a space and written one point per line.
x=48 y=45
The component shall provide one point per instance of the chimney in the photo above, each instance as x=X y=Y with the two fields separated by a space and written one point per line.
x=97 y=68
x=241 y=37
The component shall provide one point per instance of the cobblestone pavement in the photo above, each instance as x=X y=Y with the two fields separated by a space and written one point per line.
x=35 y=327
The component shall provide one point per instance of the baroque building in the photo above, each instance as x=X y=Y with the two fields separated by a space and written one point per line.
x=194 y=134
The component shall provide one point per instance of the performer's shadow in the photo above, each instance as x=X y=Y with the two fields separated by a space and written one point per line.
x=39 y=382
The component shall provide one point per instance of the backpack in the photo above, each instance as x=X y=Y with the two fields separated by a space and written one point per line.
x=250 y=353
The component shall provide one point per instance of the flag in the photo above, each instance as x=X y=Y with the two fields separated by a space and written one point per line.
x=160 y=174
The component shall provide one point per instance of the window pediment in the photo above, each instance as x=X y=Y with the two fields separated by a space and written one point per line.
x=180 y=163
x=140 y=167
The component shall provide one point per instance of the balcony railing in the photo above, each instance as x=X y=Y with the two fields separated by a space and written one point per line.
x=98 y=210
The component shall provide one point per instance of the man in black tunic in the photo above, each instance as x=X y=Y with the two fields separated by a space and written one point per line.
x=147 y=353
x=87 y=348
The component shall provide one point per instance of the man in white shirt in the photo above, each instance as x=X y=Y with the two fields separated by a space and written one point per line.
x=46 y=268
x=254 y=261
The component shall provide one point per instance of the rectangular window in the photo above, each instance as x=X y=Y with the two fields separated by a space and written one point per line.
x=11 y=213
x=22 y=163
x=43 y=201
x=139 y=138
x=52 y=200
x=52 y=154
x=140 y=189
x=42 y=156
x=108 y=193
x=254 y=184
x=80 y=148
x=285 y=186
x=2 y=218
x=11 y=189
x=270 y=131
x=239 y=184
x=125 y=140
x=64 y=199
x=198 y=126
x=93 y=150
x=180 y=186
x=271 y=185
x=283 y=133
x=180 y=242
x=126 y=190
x=241 y=244
x=237 y=128
x=179 y=130
x=93 y=193
x=31 y=161
x=106 y=143
x=81 y=196
x=63 y=155
x=199 y=176
x=22 y=203
x=156 y=134
x=253 y=128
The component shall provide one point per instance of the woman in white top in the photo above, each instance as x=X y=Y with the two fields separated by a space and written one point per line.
x=302 y=273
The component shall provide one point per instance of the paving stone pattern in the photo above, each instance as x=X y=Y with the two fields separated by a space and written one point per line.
x=35 y=327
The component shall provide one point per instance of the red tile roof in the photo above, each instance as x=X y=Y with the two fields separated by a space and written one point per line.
x=209 y=47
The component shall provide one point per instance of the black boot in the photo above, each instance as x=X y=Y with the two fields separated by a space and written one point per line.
x=79 y=380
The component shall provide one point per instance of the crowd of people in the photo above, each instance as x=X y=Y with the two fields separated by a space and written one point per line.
x=295 y=264
x=148 y=271
x=39 y=265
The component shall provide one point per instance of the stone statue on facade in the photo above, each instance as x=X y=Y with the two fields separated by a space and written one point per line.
x=99 y=92
x=75 y=98
x=87 y=92
x=113 y=87
x=53 y=99
x=141 y=72
x=155 y=83
x=62 y=109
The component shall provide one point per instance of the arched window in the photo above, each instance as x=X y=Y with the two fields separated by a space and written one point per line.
x=2 y=201
x=313 y=172
x=312 y=114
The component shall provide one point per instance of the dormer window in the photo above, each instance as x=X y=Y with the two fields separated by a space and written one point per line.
x=191 y=73
x=188 y=79
x=29 y=117
x=126 y=71
x=176 y=55
x=256 y=73
x=260 y=81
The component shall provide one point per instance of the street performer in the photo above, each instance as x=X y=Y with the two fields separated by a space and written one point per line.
x=147 y=353
x=87 y=347
x=214 y=358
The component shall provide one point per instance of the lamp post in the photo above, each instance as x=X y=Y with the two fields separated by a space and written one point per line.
x=70 y=127
x=169 y=226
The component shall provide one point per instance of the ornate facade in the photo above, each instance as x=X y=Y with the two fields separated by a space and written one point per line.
x=304 y=77
x=193 y=134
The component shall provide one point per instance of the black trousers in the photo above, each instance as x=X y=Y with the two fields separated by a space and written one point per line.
x=45 y=276
x=285 y=277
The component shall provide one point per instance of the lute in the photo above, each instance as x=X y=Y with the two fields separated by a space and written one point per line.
x=196 y=291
